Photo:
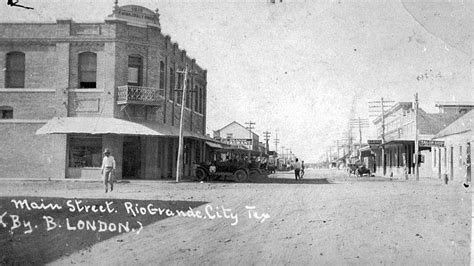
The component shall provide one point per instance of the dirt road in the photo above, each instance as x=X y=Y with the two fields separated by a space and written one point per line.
x=322 y=220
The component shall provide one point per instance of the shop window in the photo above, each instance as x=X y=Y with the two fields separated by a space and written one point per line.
x=15 y=70
x=87 y=70
x=6 y=112
x=135 y=68
x=85 y=152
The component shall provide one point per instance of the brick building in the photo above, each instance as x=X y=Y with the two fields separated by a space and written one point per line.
x=69 y=90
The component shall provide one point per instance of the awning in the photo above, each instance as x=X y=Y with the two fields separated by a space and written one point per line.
x=214 y=145
x=109 y=125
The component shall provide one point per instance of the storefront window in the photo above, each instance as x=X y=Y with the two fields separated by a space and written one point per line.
x=85 y=151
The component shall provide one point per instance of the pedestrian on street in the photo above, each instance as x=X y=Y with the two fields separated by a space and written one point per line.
x=302 y=170
x=108 y=169
x=297 y=167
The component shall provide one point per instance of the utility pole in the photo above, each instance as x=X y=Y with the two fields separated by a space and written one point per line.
x=383 y=136
x=417 y=165
x=360 y=123
x=266 y=136
x=179 y=163
x=250 y=127
x=277 y=140
x=282 y=154
x=181 y=122
x=374 y=111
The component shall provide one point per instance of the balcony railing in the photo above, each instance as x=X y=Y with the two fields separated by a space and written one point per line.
x=140 y=95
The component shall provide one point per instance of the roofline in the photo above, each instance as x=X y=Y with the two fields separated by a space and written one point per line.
x=237 y=124
x=394 y=108
x=452 y=134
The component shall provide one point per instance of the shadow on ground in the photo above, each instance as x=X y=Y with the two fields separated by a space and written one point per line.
x=41 y=230
x=319 y=181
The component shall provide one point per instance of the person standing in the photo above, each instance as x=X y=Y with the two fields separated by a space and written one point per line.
x=302 y=170
x=297 y=167
x=108 y=168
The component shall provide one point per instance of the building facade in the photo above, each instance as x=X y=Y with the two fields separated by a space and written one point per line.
x=235 y=134
x=396 y=134
x=454 y=159
x=69 y=90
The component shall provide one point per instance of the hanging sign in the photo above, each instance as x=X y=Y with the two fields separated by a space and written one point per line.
x=430 y=143
x=374 y=141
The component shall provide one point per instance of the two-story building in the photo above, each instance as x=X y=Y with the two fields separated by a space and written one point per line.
x=69 y=90
x=397 y=130
x=235 y=134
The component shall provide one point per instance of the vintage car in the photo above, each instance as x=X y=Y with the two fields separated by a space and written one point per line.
x=357 y=169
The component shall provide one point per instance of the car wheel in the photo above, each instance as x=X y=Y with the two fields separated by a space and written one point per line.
x=240 y=175
x=200 y=174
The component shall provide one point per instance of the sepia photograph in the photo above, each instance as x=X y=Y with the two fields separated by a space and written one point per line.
x=236 y=132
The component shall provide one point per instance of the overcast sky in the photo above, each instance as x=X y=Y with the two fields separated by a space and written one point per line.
x=303 y=69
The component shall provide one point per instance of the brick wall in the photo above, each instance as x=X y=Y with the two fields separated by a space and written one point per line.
x=32 y=105
x=26 y=155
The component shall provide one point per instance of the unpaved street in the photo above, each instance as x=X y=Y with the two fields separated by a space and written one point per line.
x=324 y=219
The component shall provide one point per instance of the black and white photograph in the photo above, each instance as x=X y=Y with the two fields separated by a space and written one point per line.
x=236 y=132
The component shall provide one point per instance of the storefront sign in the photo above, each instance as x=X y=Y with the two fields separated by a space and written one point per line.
x=136 y=14
x=430 y=143
x=238 y=141
x=374 y=141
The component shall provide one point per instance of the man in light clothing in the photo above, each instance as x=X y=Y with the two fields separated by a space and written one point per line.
x=297 y=166
x=108 y=168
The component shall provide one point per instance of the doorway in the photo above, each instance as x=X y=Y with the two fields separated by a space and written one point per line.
x=131 y=168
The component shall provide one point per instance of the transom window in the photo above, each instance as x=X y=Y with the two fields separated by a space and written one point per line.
x=15 y=70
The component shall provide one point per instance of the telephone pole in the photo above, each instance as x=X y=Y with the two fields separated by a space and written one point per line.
x=277 y=140
x=266 y=136
x=179 y=163
x=250 y=127
x=417 y=164
x=373 y=110
x=360 y=123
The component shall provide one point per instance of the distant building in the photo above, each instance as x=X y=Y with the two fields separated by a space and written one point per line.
x=455 y=107
x=237 y=135
x=454 y=159
x=90 y=86
x=399 y=134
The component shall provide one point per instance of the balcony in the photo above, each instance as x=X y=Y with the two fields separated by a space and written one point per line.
x=140 y=95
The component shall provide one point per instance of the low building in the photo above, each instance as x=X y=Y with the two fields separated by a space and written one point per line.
x=454 y=159
x=85 y=87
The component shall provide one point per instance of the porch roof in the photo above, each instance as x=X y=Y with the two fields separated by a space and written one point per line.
x=109 y=125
